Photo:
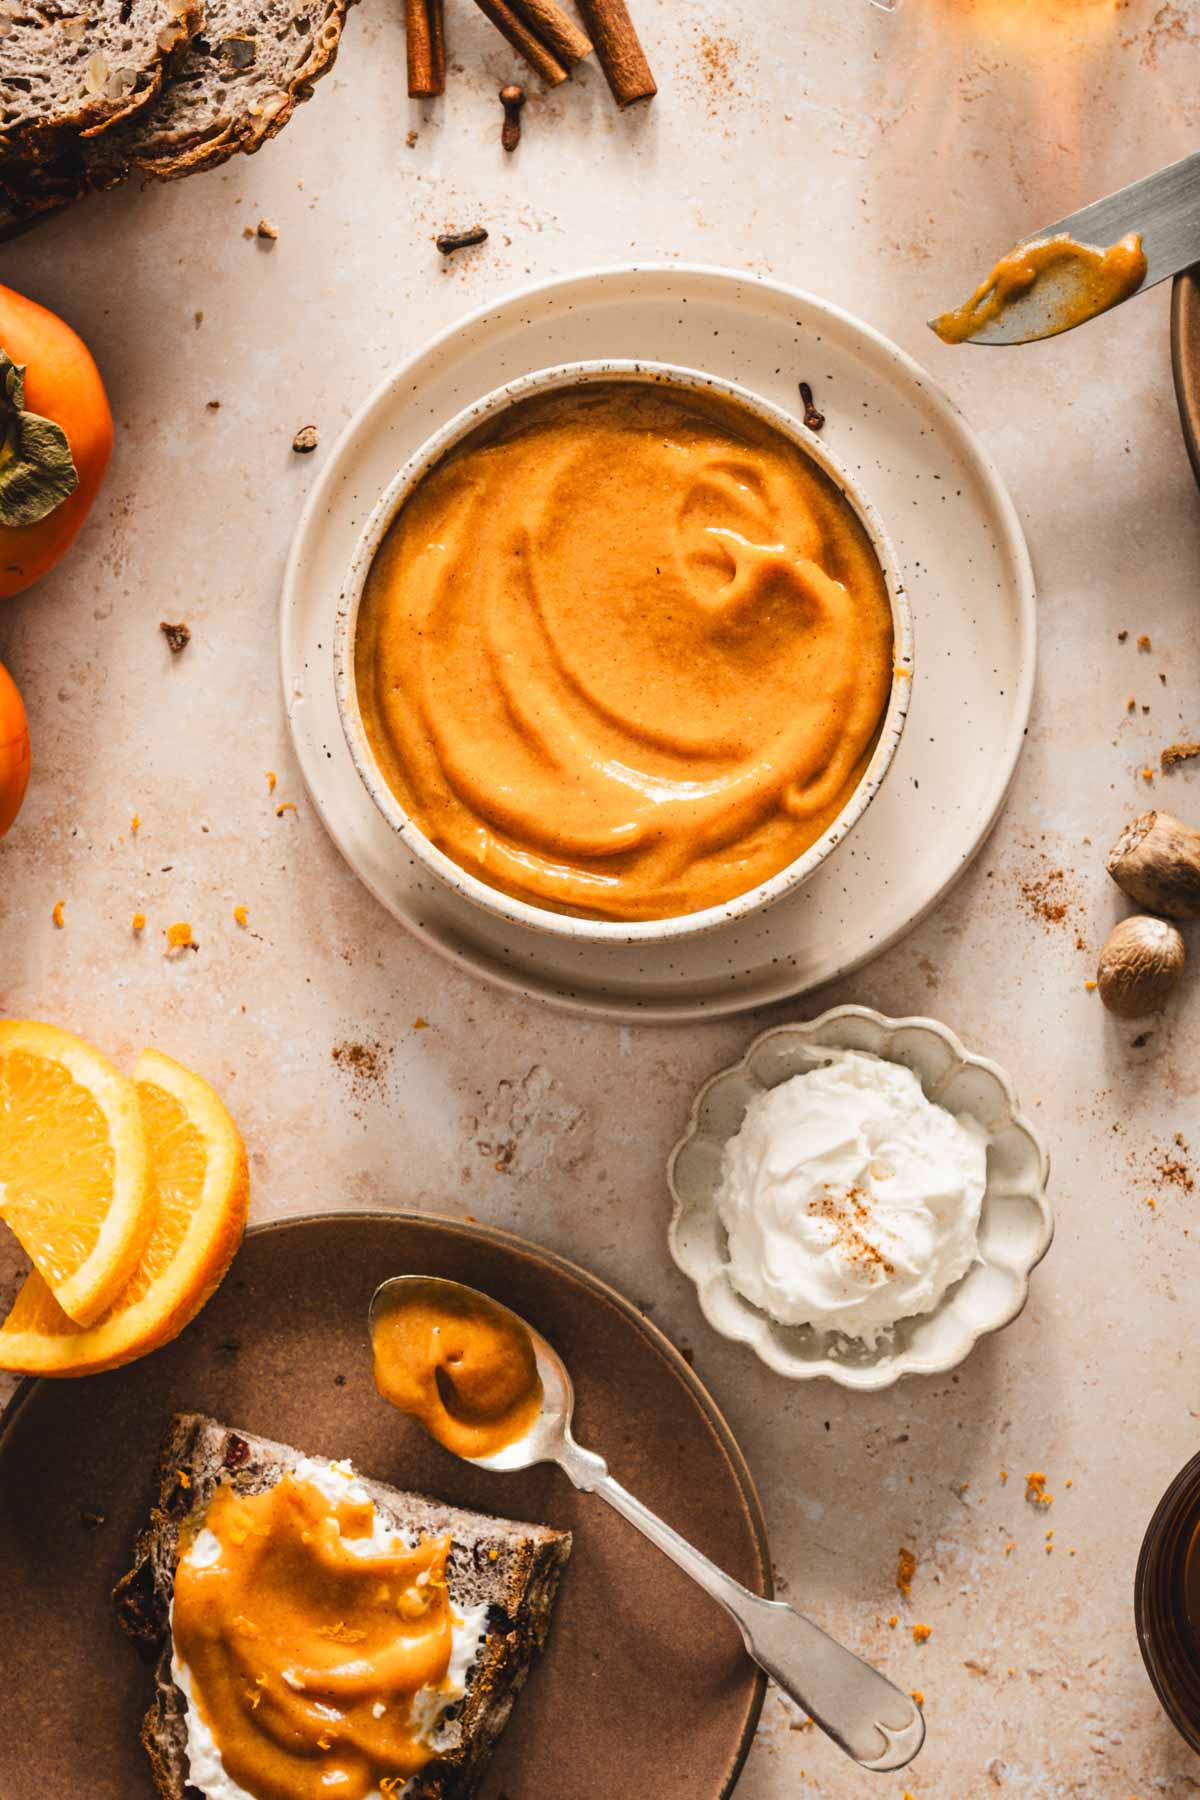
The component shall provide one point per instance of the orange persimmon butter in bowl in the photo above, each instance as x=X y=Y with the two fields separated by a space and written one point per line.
x=625 y=654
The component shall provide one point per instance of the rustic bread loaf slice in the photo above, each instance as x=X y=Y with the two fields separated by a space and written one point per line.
x=513 y=1569
x=67 y=70
x=236 y=85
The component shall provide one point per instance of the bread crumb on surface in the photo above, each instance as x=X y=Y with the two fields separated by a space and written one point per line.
x=1178 y=753
x=1144 y=642
x=178 y=636
x=306 y=440
x=265 y=229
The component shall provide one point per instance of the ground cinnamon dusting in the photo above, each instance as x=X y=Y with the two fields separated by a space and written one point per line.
x=363 y=1063
x=849 y=1214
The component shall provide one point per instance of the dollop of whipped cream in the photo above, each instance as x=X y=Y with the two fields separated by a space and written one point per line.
x=850 y=1200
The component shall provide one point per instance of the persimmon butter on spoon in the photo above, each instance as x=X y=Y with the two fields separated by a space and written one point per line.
x=851 y=1201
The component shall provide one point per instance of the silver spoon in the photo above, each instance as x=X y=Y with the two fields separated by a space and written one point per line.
x=872 y=1720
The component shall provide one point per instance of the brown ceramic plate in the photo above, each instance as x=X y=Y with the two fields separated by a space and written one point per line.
x=644 y=1688
x=1185 y=358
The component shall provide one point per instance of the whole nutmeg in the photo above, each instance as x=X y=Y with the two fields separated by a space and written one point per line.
x=1139 y=966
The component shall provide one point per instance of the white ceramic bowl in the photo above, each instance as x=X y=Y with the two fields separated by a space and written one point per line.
x=579 y=374
x=1015 y=1226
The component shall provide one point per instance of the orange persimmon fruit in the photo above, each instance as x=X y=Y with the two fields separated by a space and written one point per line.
x=56 y=437
x=14 y=750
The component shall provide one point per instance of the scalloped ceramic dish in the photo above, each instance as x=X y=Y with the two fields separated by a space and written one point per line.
x=1015 y=1228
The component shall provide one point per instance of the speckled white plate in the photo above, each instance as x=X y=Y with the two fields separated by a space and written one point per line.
x=961 y=552
x=1016 y=1225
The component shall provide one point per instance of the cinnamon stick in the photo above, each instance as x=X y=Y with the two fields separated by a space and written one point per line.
x=619 y=49
x=556 y=29
x=505 y=18
x=425 y=42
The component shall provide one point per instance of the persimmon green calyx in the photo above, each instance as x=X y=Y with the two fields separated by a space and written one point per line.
x=37 y=470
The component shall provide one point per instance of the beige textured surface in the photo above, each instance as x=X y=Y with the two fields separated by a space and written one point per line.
x=882 y=159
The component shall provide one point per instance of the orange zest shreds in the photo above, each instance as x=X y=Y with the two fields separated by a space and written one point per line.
x=905 y=1570
x=893 y=1622
x=1090 y=986
x=918 y=1696
x=138 y=922
x=179 y=937
x=272 y=778
x=135 y=822
x=1003 y=1476
x=1144 y=642
x=254 y=1696
x=1147 y=774
x=1035 y=1489
x=493 y=1556
x=420 y=1024
x=185 y=1480
x=57 y=914
x=241 y=915
x=391 y=1784
x=1009 y=1548
x=922 y=1633
x=246 y=1626
x=285 y=806
x=324 y=1742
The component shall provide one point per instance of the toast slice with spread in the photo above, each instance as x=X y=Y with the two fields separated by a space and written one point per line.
x=513 y=1569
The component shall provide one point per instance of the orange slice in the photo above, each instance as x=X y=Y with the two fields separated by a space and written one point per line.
x=201 y=1188
x=72 y=1165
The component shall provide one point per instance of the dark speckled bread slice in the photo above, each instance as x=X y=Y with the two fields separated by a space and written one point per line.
x=238 y=84
x=72 y=70
x=512 y=1568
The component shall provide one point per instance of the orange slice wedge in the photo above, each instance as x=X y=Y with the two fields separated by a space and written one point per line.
x=200 y=1186
x=72 y=1165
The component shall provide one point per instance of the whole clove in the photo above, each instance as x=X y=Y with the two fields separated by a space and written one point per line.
x=450 y=241
x=814 y=418
x=512 y=99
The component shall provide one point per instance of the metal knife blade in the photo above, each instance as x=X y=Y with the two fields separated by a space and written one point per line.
x=1164 y=208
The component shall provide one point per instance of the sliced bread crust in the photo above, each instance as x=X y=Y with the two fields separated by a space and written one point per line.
x=513 y=1568
x=68 y=72
x=237 y=84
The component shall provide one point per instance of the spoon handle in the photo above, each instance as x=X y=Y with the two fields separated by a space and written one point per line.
x=872 y=1720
